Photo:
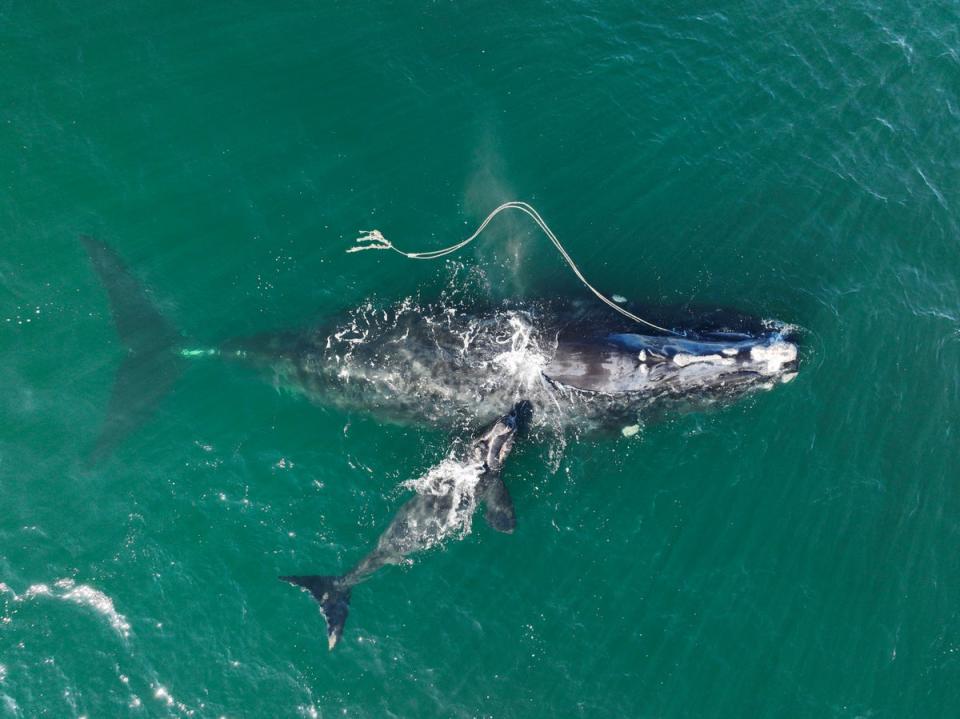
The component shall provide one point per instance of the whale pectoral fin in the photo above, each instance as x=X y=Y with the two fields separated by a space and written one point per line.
x=500 y=514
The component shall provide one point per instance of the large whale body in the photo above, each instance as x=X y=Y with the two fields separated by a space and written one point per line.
x=578 y=365
x=450 y=364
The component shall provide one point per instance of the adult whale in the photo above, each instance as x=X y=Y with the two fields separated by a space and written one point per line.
x=582 y=368
x=455 y=365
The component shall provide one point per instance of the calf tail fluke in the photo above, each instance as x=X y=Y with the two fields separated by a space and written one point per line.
x=334 y=599
x=151 y=366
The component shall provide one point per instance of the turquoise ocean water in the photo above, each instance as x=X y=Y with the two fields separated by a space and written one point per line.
x=793 y=555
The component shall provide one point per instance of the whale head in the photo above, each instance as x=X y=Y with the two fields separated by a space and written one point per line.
x=704 y=364
x=494 y=444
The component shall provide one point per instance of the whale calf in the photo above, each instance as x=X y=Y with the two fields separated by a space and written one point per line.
x=436 y=512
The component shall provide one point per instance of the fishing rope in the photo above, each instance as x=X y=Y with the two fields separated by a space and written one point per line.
x=374 y=240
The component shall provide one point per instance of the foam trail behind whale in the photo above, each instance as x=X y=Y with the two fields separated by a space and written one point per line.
x=150 y=368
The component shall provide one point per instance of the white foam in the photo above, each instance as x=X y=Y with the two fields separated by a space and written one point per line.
x=82 y=594
x=161 y=693
x=458 y=480
x=98 y=601
x=35 y=590
x=523 y=361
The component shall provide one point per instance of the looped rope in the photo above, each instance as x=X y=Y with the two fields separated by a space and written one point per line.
x=374 y=240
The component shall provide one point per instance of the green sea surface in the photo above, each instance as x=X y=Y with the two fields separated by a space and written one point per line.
x=792 y=555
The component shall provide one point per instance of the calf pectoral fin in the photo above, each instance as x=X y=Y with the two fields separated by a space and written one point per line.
x=500 y=514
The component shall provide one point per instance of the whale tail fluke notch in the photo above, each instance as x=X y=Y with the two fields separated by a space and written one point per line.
x=151 y=366
x=334 y=600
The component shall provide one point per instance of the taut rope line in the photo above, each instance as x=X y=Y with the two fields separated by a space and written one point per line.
x=374 y=240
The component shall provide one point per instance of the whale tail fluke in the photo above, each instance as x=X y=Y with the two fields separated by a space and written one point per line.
x=334 y=599
x=151 y=366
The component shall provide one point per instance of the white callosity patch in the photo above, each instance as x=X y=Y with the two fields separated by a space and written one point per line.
x=774 y=356
x=681 y=359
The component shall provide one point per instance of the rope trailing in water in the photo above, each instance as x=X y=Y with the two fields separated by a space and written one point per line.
x=374 y=240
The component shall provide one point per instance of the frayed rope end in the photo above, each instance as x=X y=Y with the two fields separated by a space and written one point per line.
x=371 y=240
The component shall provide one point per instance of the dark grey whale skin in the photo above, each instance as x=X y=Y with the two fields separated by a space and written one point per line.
x=583 y=366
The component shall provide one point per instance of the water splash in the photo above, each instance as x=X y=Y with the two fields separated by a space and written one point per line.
x=457 y=480
x=81 y=594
